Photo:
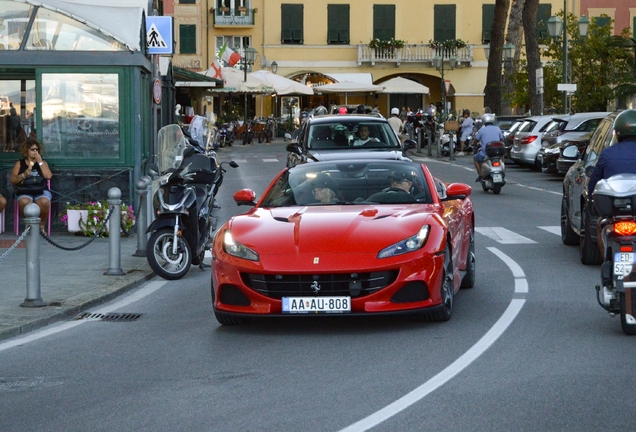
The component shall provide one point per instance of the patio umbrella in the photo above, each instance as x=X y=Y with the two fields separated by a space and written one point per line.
x=281 y=85
x=233 y=82
x=403 y=85
x=348 y=87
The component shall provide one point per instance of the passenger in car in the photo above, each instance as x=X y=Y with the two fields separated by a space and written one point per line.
x=399 y=191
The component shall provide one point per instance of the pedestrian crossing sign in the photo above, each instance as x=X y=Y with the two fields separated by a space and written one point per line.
x=159 y=35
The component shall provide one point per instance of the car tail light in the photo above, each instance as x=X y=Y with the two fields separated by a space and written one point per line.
x=528 y=139
x=625 y=228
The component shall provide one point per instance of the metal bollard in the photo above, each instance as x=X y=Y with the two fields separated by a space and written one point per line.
x=451 y=146
x=32 y=219
x=114 y=235
x=430 y=144
x=142 y=224
x=419 y=140
x=438 y=140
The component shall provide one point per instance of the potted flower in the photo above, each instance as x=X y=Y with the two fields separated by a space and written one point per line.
x=71 y=216
x=96 y=213
x=382 y=46
x=447 y=47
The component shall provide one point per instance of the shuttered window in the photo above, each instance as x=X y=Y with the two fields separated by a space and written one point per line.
x=338 y=24
x=487 y=17
x=384 y=22
x=543 y=15
x=292 y=24
x=601 y=21
x=444 y=22
x=187 y=39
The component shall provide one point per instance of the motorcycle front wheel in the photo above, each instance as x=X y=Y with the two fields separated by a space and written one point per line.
x=162 y=260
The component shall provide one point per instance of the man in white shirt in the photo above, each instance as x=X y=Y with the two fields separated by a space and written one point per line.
x=395 y=121
x=363 y=136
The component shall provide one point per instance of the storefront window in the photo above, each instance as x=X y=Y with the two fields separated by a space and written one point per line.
x=14 y=18
x=17 y=104
x=57 y=32
x=80 y=115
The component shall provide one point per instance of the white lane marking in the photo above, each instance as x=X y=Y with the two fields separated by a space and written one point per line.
x=503 y=236
x=454 y=368
x=538 y=189
x=270 y=160
x=444 y=376
x=521 y=285
x=552 y=229
x=139 y=294
x=516 y=270
x=240 y=161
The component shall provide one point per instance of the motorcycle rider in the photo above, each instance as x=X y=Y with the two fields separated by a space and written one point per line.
x=488 y=133
x=619 y=158
x=467 y=128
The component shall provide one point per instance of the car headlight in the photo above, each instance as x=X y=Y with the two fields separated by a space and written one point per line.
x=237 y=249
x=410 y=244
x=552 y=150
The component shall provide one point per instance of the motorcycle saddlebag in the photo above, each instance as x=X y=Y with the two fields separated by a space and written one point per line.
x=204 y=168
x=495 y=149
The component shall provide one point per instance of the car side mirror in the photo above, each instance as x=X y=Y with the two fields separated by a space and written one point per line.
x=409 y=144
x=245 y=197
x=571 y=151
x=294 y=148
x=457 y=191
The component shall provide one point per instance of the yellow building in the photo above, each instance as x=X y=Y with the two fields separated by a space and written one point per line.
x=318 y=43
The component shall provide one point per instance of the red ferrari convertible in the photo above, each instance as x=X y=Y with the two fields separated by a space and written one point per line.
x=346 y=237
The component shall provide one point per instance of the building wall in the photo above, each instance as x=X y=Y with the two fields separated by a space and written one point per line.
x=622 y=12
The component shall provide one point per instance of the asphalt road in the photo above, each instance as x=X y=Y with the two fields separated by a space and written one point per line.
x=527 y=349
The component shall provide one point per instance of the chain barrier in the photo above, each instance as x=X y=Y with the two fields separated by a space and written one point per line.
x=76 y=248
x=17 y=242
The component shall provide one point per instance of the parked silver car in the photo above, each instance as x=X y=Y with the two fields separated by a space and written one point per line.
x=571 y=126
x=528 y=139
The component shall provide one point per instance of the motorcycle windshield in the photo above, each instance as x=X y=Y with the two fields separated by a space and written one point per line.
x=171 y=145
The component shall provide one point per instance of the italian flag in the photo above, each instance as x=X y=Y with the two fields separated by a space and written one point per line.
x=229 y=56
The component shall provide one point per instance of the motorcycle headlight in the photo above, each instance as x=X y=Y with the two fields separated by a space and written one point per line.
x=409 y=244
x=236 y=249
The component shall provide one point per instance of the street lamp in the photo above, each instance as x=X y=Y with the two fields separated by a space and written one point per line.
x=558 y=29
x=438 y=62
x=249 y=57
x=274 y=67
x=508 y=55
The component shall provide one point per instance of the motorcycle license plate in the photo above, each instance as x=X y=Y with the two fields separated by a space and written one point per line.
x=303 y=305
x=496 y=178
x=623 y=263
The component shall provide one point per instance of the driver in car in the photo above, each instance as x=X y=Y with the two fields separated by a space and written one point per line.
x=363 y=136
x=398 y=192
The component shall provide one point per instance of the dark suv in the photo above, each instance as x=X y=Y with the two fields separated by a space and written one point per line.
x=578 y=215
x=332 y=137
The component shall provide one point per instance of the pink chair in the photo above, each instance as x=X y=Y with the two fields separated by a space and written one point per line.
x=16 y=215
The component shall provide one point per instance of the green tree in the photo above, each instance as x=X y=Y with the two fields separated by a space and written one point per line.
x=627 y=88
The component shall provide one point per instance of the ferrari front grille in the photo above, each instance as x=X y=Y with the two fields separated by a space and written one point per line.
x=330 y=284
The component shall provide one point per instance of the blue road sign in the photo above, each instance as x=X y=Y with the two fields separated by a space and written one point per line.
x=159 y=35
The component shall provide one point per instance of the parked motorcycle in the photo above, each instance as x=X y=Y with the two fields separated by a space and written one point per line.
x=249 y=132
x=615 y=201
x=493 y=169
x=446 y=140
x=183 y=203
x=268 y=131
x=226 y=135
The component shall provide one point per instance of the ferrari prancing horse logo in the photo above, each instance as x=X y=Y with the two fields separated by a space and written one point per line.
x=316 y=260
x=315 y=287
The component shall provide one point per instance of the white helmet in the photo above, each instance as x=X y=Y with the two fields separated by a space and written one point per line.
x=488 y=118
x=395 y=111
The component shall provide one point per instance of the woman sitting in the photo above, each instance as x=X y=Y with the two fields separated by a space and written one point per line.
x=29 y=177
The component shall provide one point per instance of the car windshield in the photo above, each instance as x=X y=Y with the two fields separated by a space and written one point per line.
x=350 y=183
x=350 y=134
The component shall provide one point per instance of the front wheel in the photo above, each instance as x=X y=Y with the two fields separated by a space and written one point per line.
x=628 y=322
x=161 y=258
x=447 y=292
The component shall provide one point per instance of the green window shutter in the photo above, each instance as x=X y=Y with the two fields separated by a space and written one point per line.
x=337 y=24
x=187 y=39
x=601 y=21
x=487 y=17
x=384 y=22
x=444 y=22
x=543 y=15
x=292 y=24
x=634 y=27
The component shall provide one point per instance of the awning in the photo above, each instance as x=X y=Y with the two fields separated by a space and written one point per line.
x=280 y=84
x=403 y=85
x=187 y=78
x=362 y=78
x=234 y=82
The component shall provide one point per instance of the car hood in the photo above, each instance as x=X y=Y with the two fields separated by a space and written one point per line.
x=334 y=229
x=329 y=155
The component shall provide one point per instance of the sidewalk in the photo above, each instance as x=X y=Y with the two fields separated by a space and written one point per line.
x=70 y=281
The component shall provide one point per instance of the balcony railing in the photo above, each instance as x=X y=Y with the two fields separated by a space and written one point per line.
x=233 y=17
x=412 y=53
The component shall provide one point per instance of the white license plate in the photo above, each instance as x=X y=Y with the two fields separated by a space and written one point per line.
x=316 y=304
x=496 y=178
x=623 y=263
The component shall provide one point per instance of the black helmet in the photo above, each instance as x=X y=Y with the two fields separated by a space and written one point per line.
x=360 y=109
x=625 y=124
